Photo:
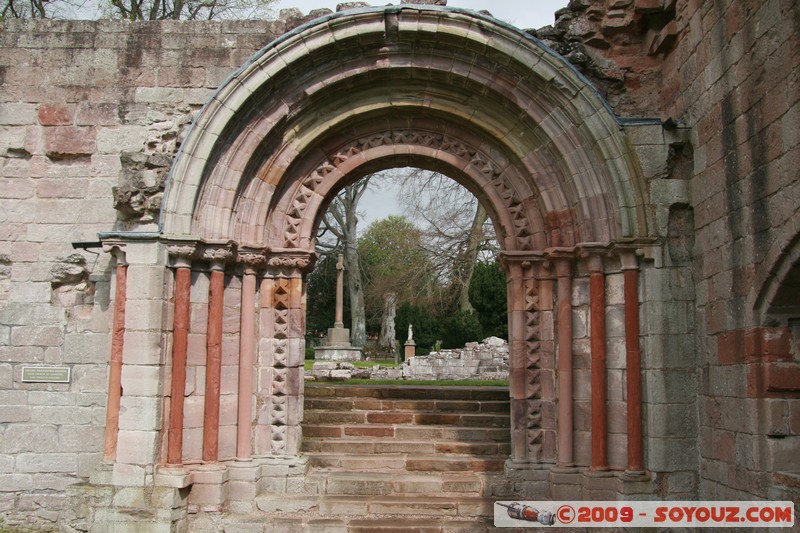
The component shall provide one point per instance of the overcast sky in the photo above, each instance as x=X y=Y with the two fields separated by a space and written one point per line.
x=520 y=13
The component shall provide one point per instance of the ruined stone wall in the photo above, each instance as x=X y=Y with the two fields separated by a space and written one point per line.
x=733 y=81
x=91 y=114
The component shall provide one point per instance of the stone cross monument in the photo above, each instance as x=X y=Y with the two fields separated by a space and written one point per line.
x=337 y=346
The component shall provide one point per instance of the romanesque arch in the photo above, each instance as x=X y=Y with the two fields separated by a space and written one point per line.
x=359 y=91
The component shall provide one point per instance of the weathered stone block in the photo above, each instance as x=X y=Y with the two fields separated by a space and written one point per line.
x=56 y=114
x=140 y=413
x=18 y=114
x=47 y=462
x=86 y=348
x=137 y=447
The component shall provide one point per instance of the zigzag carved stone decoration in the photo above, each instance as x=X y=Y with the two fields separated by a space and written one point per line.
x=438 y=141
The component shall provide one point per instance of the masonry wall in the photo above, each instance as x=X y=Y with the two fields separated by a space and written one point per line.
x=733 y=81
x=87 y=107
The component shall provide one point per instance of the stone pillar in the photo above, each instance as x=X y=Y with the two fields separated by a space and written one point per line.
x=339 y=318
x=247 y=338
x=182 y=262
x=115 y=363
x=547 y=362
x=217 y=256
x=516 y=361
x=597 y=303
x=564 y=318
x=281 y=356
x=141 y=407
x=525 y=359
x=633 y=363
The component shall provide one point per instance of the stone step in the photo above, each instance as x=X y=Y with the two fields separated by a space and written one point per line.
x=315 y=522
x=377 y=432
x=391 y=462
x=431 y=506
x=377 y=484
x=372 y=447
x=480 y=420
x=413 y=392
x=408 y=405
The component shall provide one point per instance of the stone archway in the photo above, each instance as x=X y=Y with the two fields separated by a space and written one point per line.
x=359 y=91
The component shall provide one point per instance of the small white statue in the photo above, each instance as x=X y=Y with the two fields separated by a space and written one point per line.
x=410 y=332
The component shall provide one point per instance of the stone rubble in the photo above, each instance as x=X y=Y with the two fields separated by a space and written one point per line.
x=485 y=360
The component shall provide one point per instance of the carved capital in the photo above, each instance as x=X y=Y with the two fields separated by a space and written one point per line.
x=593 y=254
x=252 y=260
x=218 y=255
x=181 y=254
x=116 y=249
x=291 y=264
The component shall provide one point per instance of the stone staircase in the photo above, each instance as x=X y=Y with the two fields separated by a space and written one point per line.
x=399 y=458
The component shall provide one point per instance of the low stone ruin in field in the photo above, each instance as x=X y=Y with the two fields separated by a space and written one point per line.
x=486 y=360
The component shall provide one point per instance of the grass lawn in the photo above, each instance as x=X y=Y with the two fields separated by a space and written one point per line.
x=431 y=382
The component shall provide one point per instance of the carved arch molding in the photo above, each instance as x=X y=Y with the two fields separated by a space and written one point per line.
x=480 y=164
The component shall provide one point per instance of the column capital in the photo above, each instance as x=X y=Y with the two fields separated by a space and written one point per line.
x=252 y=260
x=115 y=247
x=181 y=253
x=218 y=254
x=290 y=263
x=630 y=251
x=593 y=253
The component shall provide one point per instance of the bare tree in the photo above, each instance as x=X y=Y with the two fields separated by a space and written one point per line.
x=41 y=9
x=134 y=10
x=188 y=9
x=341 y=221
x=455 y=227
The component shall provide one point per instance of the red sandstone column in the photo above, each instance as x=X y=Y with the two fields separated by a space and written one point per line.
x=565 y=408
x=597 y=305
x=115 y=363
x=633 y=364
x=180 y=340
x=247 y=337
x=213 y=364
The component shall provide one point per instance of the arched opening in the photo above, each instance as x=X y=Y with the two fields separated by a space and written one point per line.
x=410 y=241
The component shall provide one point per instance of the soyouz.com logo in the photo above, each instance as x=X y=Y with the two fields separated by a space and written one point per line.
x=644 y=514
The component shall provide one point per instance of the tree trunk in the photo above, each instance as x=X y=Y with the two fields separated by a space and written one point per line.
x=358 y=322
x=471 y=256
x=387 y=340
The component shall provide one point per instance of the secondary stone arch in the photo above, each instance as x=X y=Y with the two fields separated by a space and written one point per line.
x=515 y=213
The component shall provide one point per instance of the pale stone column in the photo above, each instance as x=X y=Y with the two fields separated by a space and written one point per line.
x=115 y=363
x=565 y=406
x=141 y=406
x=547 y=362
x=281 y=356
x=524 y=359
x=339 y=319
x=251 y=261
x=516 y=361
